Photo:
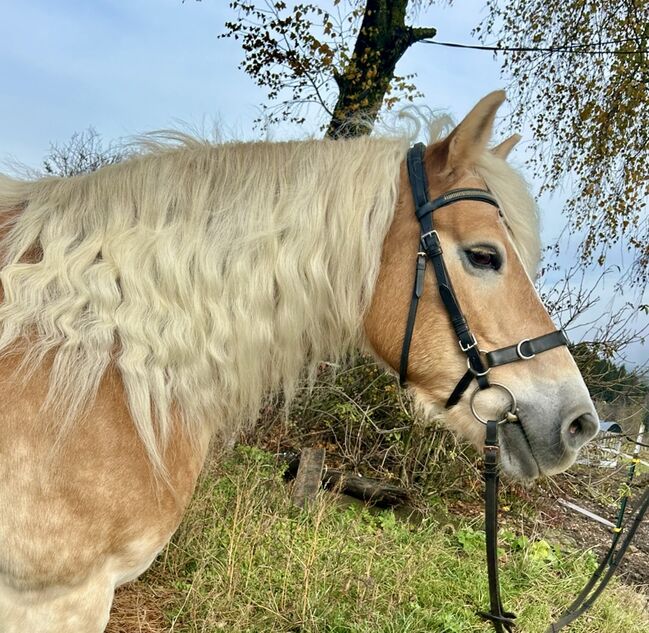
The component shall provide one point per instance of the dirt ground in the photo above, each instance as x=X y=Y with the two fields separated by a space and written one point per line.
x=565 y=525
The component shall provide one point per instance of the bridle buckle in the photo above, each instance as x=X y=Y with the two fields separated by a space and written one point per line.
x=471 y=345
x=429 y=233
x=519 y=350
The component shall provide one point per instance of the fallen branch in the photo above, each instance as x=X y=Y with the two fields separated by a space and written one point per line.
x=372 y=491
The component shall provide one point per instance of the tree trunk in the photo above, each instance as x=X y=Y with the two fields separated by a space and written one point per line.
x=382 y=40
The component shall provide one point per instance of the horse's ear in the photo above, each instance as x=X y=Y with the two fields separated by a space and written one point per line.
x=469 y=139
x=502 y=150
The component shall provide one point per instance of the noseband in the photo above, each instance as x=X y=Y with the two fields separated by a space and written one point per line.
x=431 y=249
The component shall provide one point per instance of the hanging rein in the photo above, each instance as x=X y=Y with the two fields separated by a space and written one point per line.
x=430 y=249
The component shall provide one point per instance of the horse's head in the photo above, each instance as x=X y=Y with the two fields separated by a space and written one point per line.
x=489 y=258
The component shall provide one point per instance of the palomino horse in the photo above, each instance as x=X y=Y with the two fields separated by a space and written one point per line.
x=156 y=303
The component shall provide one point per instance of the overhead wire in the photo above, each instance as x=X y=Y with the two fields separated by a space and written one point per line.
x=583 y=49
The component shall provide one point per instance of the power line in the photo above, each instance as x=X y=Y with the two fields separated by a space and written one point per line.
x=574 y=49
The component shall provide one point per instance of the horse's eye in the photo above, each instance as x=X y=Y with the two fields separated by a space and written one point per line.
x=482 y=258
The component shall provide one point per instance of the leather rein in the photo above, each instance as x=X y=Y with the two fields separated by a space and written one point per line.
x=430 y=249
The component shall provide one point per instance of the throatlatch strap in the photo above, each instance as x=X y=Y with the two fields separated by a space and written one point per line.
x=501 y=620
x=417 y=289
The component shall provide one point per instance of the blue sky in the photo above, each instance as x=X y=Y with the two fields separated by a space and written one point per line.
x=126 y=67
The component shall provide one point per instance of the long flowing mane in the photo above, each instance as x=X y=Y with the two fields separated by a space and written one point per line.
x=210 y=275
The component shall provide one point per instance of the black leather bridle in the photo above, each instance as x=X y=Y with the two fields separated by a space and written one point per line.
x=431 y=249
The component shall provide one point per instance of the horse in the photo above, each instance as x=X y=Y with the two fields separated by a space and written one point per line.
x=154 y=306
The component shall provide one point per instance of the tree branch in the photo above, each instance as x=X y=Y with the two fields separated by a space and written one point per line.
x=422 y=33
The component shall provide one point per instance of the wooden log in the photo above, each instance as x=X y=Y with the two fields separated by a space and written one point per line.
x=309 y=476
x=372 y=491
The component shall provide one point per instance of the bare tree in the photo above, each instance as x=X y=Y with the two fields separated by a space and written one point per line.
x=84 y=152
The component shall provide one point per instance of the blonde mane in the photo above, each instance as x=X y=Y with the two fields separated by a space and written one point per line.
x=518 y=207
x=210 y=275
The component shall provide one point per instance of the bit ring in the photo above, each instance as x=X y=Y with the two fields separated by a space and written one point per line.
x=508 y=415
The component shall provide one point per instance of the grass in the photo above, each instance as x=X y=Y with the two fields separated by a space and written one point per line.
x=245 y=561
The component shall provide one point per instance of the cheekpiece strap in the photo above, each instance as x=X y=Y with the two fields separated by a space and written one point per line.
x=430 y=246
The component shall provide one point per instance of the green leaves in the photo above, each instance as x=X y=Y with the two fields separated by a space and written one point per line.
x=294 y=52
x=340 y=61
x=470 y=540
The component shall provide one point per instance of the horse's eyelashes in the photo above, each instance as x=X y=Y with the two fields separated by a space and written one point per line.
x=483 y=258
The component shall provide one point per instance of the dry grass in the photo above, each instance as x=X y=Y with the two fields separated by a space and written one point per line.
x=137 y=609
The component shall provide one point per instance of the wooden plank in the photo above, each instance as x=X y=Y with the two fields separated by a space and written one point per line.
x=587 y=513
x=309 y=476
x=373 y=491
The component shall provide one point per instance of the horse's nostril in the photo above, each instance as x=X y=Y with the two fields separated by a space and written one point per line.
x=579 y=430
x=575 y=428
